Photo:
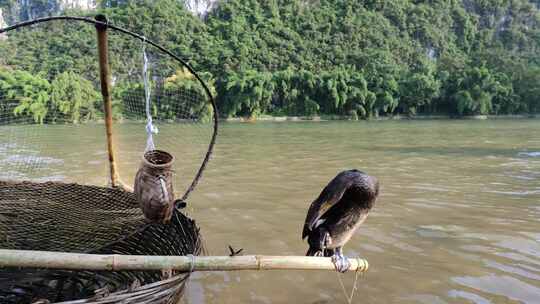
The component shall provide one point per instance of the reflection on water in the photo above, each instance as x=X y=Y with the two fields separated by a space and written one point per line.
x=458 y=220
x=78 y=153
x=503 y=285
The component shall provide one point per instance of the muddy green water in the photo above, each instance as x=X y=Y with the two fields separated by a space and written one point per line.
x=458 y=219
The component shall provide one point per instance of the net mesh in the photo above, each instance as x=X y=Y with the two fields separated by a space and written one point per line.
x=54 y=169
x=51 y=114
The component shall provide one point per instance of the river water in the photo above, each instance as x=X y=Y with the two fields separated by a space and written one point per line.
x=457 y=221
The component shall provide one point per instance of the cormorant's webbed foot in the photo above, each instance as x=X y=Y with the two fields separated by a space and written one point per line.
x=341 y=263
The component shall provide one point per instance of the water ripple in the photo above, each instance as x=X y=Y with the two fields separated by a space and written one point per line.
x=505 y=286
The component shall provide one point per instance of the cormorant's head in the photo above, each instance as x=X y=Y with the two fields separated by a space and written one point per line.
x=374 y=185
x=370 y=187
x=364 y=190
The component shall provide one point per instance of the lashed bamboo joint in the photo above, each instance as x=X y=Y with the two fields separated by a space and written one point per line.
x=80 y=261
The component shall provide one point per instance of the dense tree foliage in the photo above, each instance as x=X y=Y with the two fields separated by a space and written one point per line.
x=305 y=57
x=74 y=97
x=68 y=97
x=32 y=93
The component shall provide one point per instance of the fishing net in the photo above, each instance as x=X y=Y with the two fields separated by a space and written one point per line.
x=55 y=180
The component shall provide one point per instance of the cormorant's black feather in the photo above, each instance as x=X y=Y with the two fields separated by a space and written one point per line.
x=340 y=208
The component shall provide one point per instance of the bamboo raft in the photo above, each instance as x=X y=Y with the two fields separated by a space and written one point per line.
x=115 y=262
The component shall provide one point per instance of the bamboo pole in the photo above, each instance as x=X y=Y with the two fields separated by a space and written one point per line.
x=105 y=80
x=114 y=262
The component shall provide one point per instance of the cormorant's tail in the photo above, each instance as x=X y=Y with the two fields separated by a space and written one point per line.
x=314 y=252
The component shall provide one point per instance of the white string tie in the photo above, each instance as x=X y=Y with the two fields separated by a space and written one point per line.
x=192 y=264
x=150 y=127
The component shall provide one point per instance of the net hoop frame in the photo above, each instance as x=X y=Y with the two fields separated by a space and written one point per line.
x=143 y=39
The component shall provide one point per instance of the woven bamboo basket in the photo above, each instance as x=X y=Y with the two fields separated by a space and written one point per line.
x=80 y=218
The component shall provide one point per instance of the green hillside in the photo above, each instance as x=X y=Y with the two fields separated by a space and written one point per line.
x=335 y=57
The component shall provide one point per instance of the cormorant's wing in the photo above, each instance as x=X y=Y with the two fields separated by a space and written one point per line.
x=330 y=195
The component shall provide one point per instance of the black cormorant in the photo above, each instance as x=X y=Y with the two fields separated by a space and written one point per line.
x=334 y=216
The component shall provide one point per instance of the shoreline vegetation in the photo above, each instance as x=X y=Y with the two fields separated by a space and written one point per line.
x=345 y=59
x=268 y=118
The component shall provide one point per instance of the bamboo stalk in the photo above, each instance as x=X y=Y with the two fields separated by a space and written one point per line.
x=105 y=80
x=114 y=262
x=124 y=186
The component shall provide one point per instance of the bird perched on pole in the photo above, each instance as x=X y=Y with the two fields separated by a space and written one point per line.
x=336 y=214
